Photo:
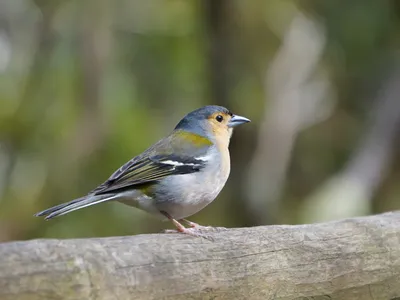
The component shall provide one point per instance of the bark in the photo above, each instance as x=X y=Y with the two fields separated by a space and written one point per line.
x=349 y=259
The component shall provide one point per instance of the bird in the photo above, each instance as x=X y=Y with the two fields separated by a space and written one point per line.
x=174 y=178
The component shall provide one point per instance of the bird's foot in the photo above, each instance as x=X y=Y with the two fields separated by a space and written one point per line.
x=194 y=230
x=190 y=231
x=203 y=228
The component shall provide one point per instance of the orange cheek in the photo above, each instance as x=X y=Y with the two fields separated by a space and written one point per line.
x=221 y=130
x=222 y=135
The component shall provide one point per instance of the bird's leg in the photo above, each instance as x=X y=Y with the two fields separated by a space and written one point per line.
x=195 y=225
x=191 y=224
x=180 y=228
x=200 y=227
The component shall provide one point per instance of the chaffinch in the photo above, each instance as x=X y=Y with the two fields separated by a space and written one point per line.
x=177 y=176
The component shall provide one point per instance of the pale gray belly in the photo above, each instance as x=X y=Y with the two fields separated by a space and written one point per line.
x=184 y=195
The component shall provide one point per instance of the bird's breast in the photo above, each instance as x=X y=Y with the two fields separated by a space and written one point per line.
x=185 y=195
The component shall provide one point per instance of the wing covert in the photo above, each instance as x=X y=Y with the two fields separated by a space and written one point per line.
x=170 y=156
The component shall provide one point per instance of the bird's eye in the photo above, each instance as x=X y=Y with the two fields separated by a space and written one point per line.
x=219 y=118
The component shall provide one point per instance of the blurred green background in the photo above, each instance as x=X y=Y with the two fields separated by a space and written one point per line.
x=87 y=84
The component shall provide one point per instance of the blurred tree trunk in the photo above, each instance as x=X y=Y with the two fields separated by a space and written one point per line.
x=19 y=129
x=94 y=46
x=296 y=100
x=217 y=15
x=350 y=191
x=30 y=105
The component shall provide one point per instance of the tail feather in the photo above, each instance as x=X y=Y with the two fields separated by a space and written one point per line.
x=76 y=204
x=57 y=207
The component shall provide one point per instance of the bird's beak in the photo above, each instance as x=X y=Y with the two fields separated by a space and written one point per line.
x=237 y=120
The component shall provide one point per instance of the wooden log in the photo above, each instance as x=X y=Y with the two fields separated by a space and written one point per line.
x=348 y=259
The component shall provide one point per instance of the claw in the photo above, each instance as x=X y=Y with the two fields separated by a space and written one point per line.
x=200 y=227
x=190 y=231
x=194 y=230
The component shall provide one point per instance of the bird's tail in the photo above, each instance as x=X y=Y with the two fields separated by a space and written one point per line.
x=76 y=204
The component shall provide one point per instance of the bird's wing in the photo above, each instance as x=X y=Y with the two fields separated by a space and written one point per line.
x=157 y=163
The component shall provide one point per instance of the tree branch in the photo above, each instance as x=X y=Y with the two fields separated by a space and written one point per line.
x=348 y=259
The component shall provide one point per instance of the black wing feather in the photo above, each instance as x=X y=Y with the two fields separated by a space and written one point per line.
x=156 y=163
x=147 y=170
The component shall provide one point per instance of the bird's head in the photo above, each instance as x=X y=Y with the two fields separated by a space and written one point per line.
x=212 y=121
